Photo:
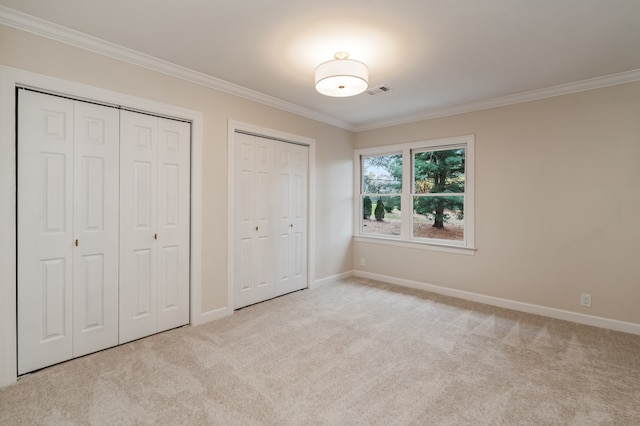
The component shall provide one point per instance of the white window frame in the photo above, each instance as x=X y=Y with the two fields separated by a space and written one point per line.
x=406 y=239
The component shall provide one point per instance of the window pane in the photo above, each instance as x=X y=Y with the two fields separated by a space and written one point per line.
x=382 y=174
x=436 y=172
x=381 y=215
x=438 y=217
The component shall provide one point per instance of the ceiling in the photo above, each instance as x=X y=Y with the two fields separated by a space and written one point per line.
x=435 y=55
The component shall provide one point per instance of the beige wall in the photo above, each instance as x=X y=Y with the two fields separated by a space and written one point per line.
x=334 y=147
x=556 y=185
x=557 y=204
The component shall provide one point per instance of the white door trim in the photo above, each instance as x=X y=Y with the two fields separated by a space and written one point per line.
x=234 y=126
x=9 y=79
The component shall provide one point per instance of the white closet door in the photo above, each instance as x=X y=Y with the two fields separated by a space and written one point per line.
x=138 y=224
x=45 y=230
x=253 y=257
x=292 y=164
x=244 y=232
x=264 y=285
x=154 y=225
x=68 y=229
x=173 y=223
x=96 y=215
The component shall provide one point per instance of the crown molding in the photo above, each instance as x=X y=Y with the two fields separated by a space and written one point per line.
x=516 y=98
x=31 y=24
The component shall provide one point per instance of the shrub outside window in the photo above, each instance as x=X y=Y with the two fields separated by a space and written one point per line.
x=430 y=181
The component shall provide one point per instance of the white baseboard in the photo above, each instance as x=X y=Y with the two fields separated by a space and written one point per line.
x=331 y=279
x=212 y=315
x=226 y=311
x=576 y=317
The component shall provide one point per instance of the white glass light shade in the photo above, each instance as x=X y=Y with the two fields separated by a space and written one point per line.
x=342 y=77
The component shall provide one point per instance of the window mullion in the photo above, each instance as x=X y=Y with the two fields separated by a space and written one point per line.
x=405 y=200
x=357 y=189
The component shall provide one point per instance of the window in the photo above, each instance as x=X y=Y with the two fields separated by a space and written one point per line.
x=438 y=194
x=381 y=194
x=431 y=180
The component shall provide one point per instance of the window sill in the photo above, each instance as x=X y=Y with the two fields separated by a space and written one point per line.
x=446 y=248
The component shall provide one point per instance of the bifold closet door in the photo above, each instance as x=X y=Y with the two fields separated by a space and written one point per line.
x=292 y=166
x=254 y=200
x=67 y=229
x=96 y=217
x=154 y=224
x=270 y=223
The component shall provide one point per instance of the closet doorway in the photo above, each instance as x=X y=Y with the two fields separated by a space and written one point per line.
x=95 y=182
x=269 y=223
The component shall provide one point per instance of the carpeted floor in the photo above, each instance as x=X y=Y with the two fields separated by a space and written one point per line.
x=353 y=352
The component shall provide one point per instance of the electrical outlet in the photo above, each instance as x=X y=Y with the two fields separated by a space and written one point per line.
x=362 y=261
x=585 y=300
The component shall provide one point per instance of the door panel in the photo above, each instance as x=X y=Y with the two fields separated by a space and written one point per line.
x=55 y=174
x=142 y=284
x=96 y=218
x=138 y=222
x=169 y=279
x=283 y=257
x=263 y=190
x=263 y=286
x=53 y=307
x=253 y=201
x=292 y=169
x=174 y=152
x=169 y=182
x=299 y=260
x=243 y=274
x=92 y=187
x=244 y=228
x=45 y=230
x=91 y=308
x=142 y=193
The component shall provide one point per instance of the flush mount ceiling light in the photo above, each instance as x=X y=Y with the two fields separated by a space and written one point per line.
x=342 y=77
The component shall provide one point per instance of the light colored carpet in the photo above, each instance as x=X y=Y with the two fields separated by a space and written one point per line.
x=353 y=352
